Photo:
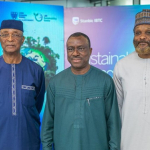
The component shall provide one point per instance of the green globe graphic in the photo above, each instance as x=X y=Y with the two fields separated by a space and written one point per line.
x=42 y=55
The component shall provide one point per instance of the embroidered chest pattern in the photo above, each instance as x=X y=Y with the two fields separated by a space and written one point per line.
x=14 y=112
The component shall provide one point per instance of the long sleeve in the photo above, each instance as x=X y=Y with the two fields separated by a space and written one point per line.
x=41 y=89
x=48 y=122
x=119 y=89
x=113 y=117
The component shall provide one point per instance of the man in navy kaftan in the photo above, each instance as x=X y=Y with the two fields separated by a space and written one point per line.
x=22 y=88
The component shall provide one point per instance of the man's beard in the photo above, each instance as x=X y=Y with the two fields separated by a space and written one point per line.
x=139 y=50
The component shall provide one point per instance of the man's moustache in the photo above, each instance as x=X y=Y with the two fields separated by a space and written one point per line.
x=76 y=57
x=143 y=42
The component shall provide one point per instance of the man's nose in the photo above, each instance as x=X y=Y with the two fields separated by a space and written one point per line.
x=76 y=52
x=143 y=36
x=10 y=38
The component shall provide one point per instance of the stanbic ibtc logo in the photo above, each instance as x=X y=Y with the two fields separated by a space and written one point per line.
x=75 y=20
x=14 y=15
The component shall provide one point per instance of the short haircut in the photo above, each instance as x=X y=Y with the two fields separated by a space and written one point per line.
x=76 y=34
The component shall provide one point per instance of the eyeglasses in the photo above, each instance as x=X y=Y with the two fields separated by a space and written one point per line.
x=14 y=36
x=79 y=49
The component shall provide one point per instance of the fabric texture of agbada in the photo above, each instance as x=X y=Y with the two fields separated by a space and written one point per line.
x=22 y=88
x=132 y=80
x=81 y=112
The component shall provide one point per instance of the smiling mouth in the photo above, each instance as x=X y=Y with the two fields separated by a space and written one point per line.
x=76 y=60
x=143 y=44
x=10 y=45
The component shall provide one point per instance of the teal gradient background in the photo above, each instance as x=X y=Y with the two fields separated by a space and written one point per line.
x=54 y=29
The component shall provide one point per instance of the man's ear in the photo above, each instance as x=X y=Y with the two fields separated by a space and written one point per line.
x=90 y=51
x=23 y=38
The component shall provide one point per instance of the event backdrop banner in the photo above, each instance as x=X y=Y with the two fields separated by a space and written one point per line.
x=43 y=31
x=110 y=30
